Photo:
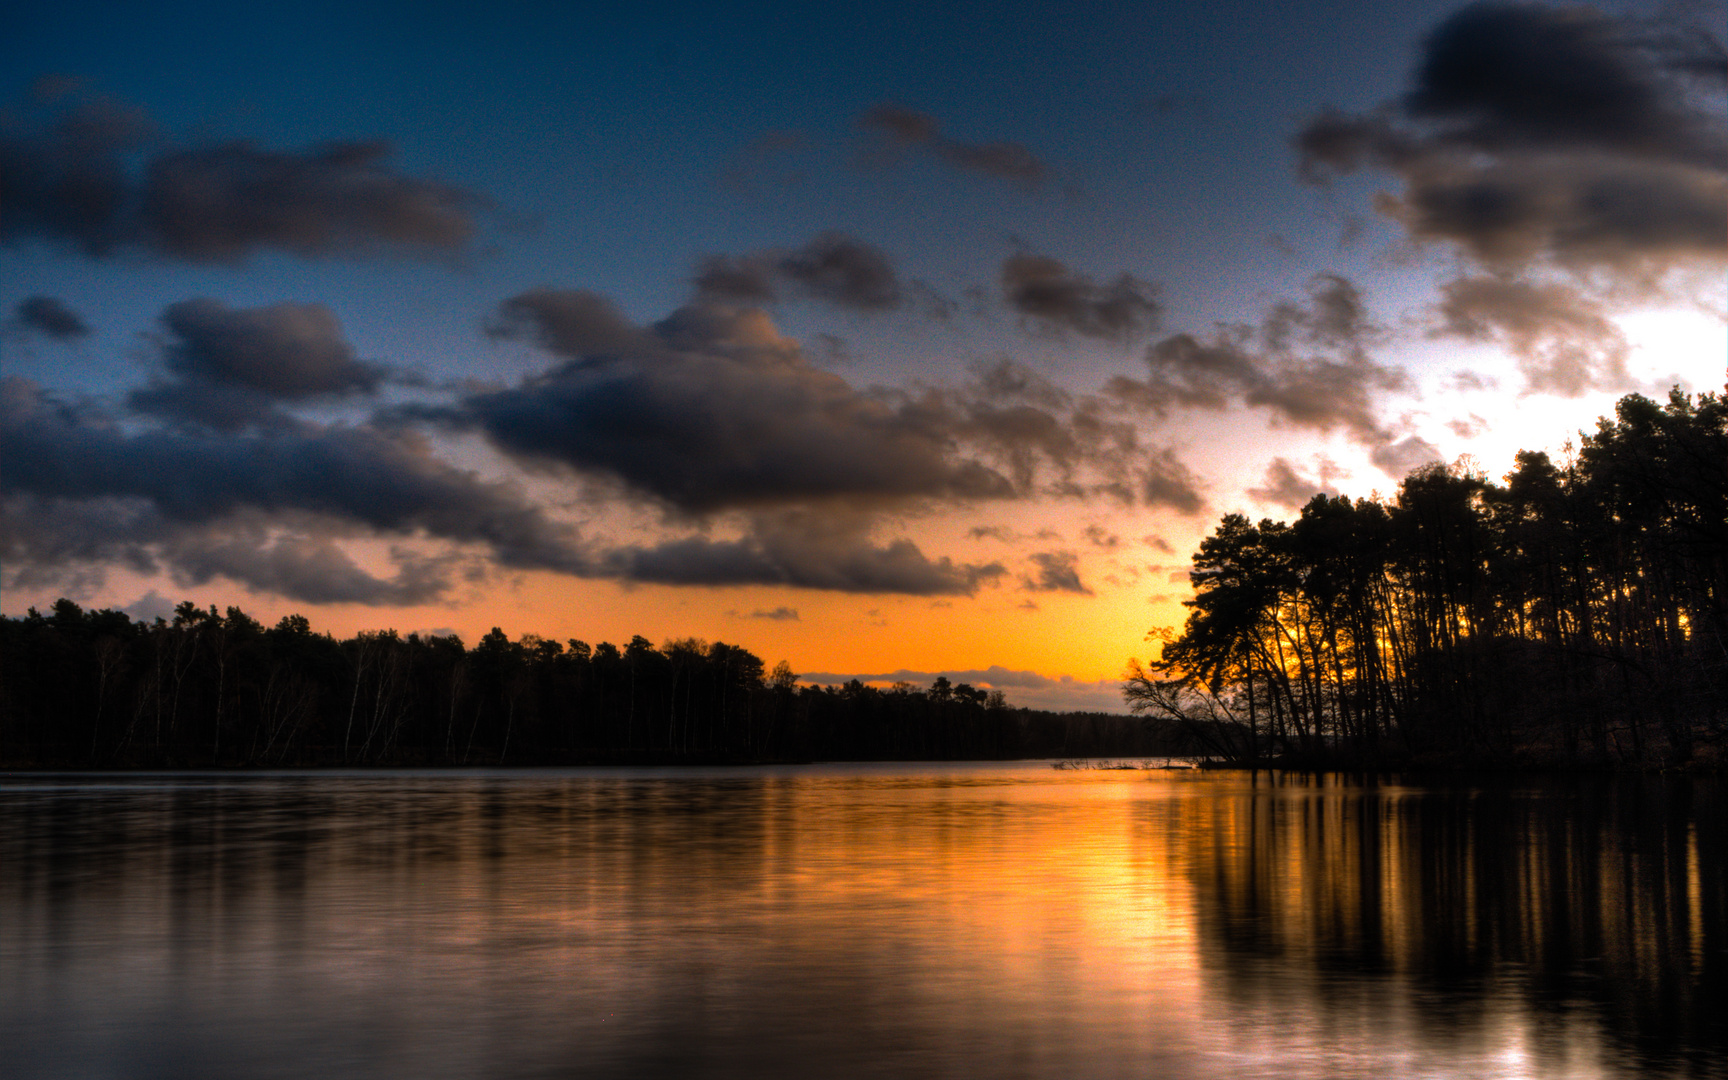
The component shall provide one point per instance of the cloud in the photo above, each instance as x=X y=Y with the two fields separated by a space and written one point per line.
x=1057 y=571
x=1284 y=486
x=1469 y=427
x=779 y=614
x=289 y=351
x=1165 y=481
x=574 y=323
x=66 y=178
x=1564 y=341
x=311 y=569
x=712 y=408
x=232 y=367
x=271 y=510
x=1404 y=456
x=1538 y=135
x=1006 y=380
x=46 y=541
x=901 y=129
x=1046 y=293
x=1099 y=536
x=833 y=267
x=220 y=203
x=1308 y=364
x=94 y=174
x=843 y=271
x=49 y=317
x=802 y=550
x=736 y=280
x=357 y=478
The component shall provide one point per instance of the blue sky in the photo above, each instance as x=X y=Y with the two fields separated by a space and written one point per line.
x=1004 y=304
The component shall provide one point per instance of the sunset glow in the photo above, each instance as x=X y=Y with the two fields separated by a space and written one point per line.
x=890 y=342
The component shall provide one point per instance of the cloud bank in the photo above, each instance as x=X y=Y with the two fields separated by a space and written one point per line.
x=95 y=175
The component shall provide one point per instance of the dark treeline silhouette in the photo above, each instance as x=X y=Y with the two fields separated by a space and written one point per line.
x=1577 y=614
x=97 y=689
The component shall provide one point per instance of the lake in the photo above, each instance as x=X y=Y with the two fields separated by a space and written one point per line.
x=994 y=920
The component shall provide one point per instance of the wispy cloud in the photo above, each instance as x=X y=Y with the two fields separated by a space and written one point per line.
x=900 y=130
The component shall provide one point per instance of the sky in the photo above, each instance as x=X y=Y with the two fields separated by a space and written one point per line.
x=890 y=340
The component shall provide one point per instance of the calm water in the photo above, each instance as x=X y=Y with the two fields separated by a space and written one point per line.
x=928 y=921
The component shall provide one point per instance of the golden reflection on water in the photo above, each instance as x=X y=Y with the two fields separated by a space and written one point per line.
x=991 y=920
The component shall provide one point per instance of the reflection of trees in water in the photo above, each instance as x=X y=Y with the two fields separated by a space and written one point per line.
x=1595 y=902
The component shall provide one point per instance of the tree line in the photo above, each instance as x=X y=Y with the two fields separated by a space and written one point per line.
x=212 y=688
x=1575 y=614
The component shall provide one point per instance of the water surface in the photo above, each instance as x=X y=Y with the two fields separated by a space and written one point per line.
x=992 y=920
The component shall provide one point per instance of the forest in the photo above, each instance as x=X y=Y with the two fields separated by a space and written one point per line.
x=1574 y=615
x=96 y=689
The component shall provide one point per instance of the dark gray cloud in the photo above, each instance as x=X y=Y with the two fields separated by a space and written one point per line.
x=1322 y=394
x=730 y=279
x=311 y=569
x=1401 y=457
x=1284 y=486
x=49 y=317
x=94 y=174
x=1055 y=571
x=1045 y=293
x=713 y=408
x=843 y=271
x=1308 y=364
x=1099 y=536
x=44 y=541
x=354 y=476
x=900 y=129
x=217 y=406
x=232 y=367
x=1468 y=427
x=1006 y=380
x=288 y=351
x=1564 y=342
x=803 y=550
x=1512 y=76
x=220 y=203
x=66 y=173
x=712 y=412
x=779 y=614
x=271 y=510
x=1551 y=135
x=575 y=323
x=1164 y=481
x=833 y=267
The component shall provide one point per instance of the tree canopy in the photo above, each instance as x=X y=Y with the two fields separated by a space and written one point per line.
x=1575 y=612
